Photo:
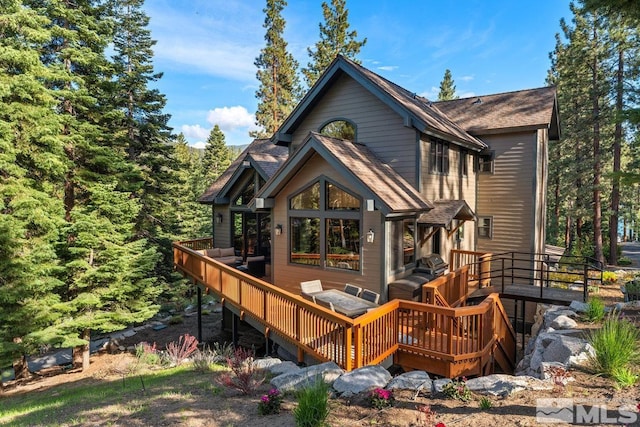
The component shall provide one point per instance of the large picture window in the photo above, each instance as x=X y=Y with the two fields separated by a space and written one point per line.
x=324 y=220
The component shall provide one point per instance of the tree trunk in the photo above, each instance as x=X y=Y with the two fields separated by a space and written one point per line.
x=21 y=368
x=617 y=143
x=597 y=203
x=82 y=353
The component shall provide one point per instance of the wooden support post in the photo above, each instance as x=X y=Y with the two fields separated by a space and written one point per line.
x=234 y=329
x=524 y=327
x=199 y=314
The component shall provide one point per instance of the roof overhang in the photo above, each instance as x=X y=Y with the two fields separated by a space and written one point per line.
x=445 y=211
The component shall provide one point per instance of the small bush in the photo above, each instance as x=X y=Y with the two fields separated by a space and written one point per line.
x=244 y=376
x=148 y=354
x=457 y=389
x=485 y=403
x=177 y=352
x=624 y=261
x=615 y=345
x=427 y=416
x=595 y=310
x=222 y=352
x=176 y=319
x=270 y=403
x=380 y=398
x=609 y=277
x=313 y=405
x=203 y=359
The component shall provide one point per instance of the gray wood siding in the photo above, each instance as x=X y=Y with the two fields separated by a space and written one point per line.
x=541 y=193
x=288 y=276
x=508 y=195
x=379 y=127
x=222 y=232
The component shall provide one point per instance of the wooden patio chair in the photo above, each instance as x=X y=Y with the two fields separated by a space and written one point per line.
x=370 y=296
x=309 y=297
x=311 y=287
x=352 y=289
x=325 y=304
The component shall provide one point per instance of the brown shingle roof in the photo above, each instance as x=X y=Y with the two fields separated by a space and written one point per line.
x=268 y=156
x=420 y=107
x=445 y=211
x=391 y=188
x=532 y=108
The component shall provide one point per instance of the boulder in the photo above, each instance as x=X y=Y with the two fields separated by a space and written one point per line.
x=284 y=368
x=266 y=363
x=414 y=380
x=438 y=385
x=563 y=322
x=504 y=385
x=305 y=377
x=361 y=379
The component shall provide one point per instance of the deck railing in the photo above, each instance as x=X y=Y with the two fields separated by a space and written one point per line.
x=461 y=339
x=479 y=264
x=453 y=287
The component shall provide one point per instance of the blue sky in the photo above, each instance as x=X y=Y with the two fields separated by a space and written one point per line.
x=206 y=50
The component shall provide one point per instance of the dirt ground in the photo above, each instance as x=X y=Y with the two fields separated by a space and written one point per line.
x=230 y=409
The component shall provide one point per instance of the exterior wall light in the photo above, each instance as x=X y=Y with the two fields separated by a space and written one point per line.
x=219 y=218
x=278 y=229
x=370 y=236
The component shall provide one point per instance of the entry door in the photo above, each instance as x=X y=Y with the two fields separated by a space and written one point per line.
x=252 y=234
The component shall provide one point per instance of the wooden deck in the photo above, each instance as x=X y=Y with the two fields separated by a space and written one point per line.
x=438 y=338
x=531 y=293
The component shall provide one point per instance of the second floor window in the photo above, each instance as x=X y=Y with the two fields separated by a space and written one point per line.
x=439 y=156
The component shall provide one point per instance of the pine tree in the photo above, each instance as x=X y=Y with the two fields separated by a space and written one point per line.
x=279 y=89
x=31 y=165
x=335 y=39
x=217 y=156
x=447 y=87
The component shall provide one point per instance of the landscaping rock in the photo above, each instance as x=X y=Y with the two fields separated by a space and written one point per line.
x=306 y=377
x=361 y=379
x=579 y=306
x=563 y=322
x=414 y=380
x=266 y=363
x=504 y=385
x=284 y=368
x=438 y=385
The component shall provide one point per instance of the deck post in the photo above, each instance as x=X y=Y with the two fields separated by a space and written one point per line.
x=585 y=286
x=524 y=326
x=234 y=329
x=199 y=314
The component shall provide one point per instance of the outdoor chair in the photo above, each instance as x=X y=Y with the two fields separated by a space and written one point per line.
x=325 y=304
x=311 y=287
x=352 y=289
x=309 y=297
x=370 y=296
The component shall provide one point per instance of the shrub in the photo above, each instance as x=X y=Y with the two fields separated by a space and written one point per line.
x=313 y=405
x=270 y=403
x=203 y=359
x=427 y=416
x=624 y=377
x=623 y=261
x=457 y=389
x=609 y=277
x=595 y=310
x=222 y=352
x=380 y=398
x=244 y=376
x=176 y=320
x=148 y=354
x=177 y=352
x=615 y=345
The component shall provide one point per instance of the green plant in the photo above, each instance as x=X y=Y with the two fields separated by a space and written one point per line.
x=176 y=319
x=270 y=403
x=222 y=351
x=313 y=405
x=623 y=261
x=632 y=286
x=457 y=389
x=243 y=375
x=615 y=345
x=624 y=377
x=177 y=352
x=609 y=277
x=595 y=310
x=203 y=359
x=485 y=403
x=148 y=354
x=380 y=398
x=426 y=416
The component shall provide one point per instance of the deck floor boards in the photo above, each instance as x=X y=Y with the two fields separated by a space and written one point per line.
x=531 y=293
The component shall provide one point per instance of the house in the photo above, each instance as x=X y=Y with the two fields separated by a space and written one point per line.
x=365 y=178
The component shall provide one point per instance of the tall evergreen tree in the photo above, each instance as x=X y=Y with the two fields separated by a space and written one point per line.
x=31 y=165
x=335 y=39
x=447 y=87
x=217 y=156
x=279 y=89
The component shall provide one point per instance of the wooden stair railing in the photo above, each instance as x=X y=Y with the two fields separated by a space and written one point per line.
x=452 y=287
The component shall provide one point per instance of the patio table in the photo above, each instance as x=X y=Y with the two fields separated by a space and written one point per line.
x=344 y=303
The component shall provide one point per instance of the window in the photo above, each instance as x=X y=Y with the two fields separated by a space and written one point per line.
x=464 y=166
x=485 y=163
x=342 y=129
x=324 y=220
x=485 y=227
x=439 y=156
x=402 y=243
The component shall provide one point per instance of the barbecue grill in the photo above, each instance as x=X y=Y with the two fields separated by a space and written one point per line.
x=432 y=265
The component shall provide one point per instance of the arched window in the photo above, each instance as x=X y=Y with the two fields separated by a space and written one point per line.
x=342 y=129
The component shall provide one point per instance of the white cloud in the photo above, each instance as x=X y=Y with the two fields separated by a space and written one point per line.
x=199 y=144
x=388 y=67
x=195 y=131
x=231 y=118
x=466 y=78
x=431 y=94
x=466 y=94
